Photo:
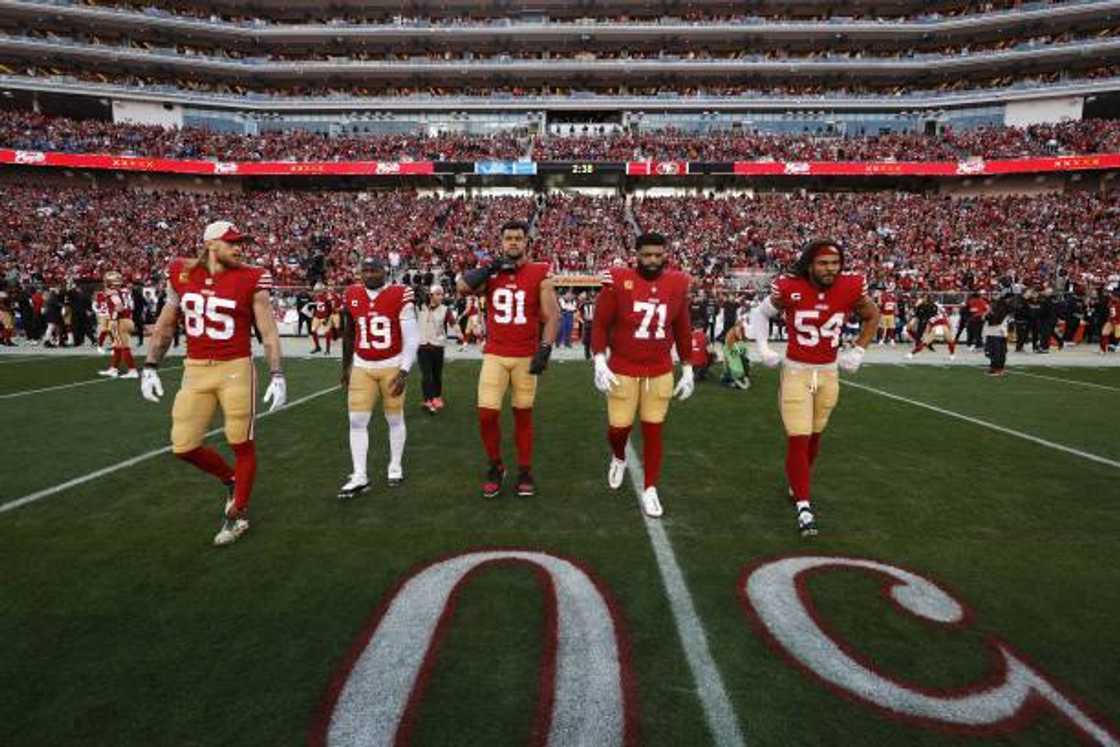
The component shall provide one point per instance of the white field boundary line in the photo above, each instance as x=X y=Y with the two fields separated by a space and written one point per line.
x=47 y=492
x=985 y=424
x=1090 y=384
x=86 y=382
x=722 y=721
x=9 y=358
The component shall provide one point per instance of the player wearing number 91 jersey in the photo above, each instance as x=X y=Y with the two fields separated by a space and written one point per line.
x=814 y=298
x=520 y=302
x=219 y=299
x=379 y=342
x=641 y=314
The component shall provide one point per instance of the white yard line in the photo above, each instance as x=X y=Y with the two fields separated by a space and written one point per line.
x=722 y=721
x=86 y=382
x=986 y=424
x=20 y=358
x=47 y=492
x=1067 y=381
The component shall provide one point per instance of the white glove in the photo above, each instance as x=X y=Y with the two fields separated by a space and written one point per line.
x=850 y=359
x=151 y=388
x=277 y=392
x=686 y=384
x=770 y=359
x=604 y=378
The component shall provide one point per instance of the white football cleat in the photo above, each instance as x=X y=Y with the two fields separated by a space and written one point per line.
x=112 y=373
x=395 y=477
x=616 y=473
x=909 y=356
x=355 y=486
x=651 y=504
x=132 y=374
x=952 y=356
x=231 y=530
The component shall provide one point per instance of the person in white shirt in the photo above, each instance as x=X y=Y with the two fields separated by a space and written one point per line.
x=435 y=319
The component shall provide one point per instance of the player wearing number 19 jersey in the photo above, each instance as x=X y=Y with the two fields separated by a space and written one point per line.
x=814 y=299
x=219 y=299
x=521 y=319
x=641 y=314
x=379 y=342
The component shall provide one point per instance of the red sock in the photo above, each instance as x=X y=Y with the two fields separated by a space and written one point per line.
x=523 y=435
x=952 y=348
x=315 y=339
x=489 y=424
x=328 y=336
x=244 y=472
x=209 y=461
x=115 y=361
x=1104 y=343
x=101 y=339
x=617 y=438
x=126 y=354
x=797 y=466
x=814 y=448
x=651 y=452
x=889 y=335
x=918 y=347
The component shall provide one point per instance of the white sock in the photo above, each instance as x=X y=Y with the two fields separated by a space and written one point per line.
x=359 y=441
x=803 y=506
x=397 y=433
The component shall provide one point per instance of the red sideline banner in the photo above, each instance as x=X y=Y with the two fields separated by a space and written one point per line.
x=656 y=168
x=215 y=168
x=971 y=167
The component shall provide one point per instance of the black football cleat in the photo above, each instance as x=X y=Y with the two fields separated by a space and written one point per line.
x=806 y=523
x=492 y=485
x=526 y=488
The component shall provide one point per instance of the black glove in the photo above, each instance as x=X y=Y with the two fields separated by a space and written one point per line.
x=477 y=277
x=540 y=359
x=504 y=264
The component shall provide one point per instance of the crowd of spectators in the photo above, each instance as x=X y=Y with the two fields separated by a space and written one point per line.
x=911 y=241
x=31 y=131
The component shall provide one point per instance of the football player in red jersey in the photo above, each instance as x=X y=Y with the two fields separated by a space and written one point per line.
x=520 y=298
x=101 y=311
x=119 y=301
x=220 y=299
x=321 y=319
x=814 y=298
x=641 y=314
x=888 y=305
x=379 y=342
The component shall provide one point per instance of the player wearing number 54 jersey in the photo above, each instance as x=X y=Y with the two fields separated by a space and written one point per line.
x=814 y=298
x=219 y=299
x=519 y=300
x=379 y=342
x=641 y=314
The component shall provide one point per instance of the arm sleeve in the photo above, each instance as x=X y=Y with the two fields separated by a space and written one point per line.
x=410 y=337
x=605 y=306
x=760 y=322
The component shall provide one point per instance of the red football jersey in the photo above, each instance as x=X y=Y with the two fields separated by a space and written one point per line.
x=217 y=309
x=699 y=356
x=101 y=303
x=641 y=320
x=1114 y=312
x=815 y=316
x=335 y=301
x=377 y=319
x=513 y=311
x=119 y=302
x=322 y=305
x=888 y=303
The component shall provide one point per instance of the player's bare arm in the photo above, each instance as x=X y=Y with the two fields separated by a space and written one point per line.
x=770 y=308
x=347 y=349
x=164 y=329
x=410 y=343
x=550 y=311
x=270 y=336
x=868 y=312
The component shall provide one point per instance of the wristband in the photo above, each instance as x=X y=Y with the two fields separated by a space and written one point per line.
x=277 y=373
x=151 y=365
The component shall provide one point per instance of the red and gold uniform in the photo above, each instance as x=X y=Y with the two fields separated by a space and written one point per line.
x=119 y=304
x=513 y=330
x=378 y=342
x=335 y=300
x=101 y=311
x=7 y=319
x=815 y=316
x=888 y=309
x=641 y=321
x=217 y=313
x=1111 y=328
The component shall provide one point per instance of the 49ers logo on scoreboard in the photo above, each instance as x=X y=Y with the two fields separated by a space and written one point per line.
x=27 y=157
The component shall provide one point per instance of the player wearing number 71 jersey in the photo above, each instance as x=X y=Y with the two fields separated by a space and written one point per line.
x=379 y=342
x=815 y=298
x=220 y=299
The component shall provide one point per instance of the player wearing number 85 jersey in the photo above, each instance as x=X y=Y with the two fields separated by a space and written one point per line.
x=219 y=299
x=814 y=298
x=379 y=342
x=520 y=299
x=641 y=314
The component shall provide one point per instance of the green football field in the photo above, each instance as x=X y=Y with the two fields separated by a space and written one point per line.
x=964 y=589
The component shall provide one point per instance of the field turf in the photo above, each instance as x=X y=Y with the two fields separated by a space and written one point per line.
x=121 y=625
